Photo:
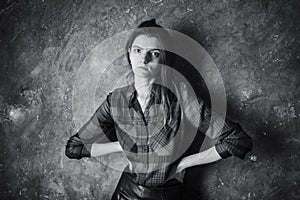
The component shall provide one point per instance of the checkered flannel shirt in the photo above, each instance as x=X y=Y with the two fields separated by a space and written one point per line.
x=151 y=138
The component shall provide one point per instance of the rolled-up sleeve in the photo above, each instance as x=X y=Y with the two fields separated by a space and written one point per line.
x=233 y=141
x=100 y=128
x=230 y=139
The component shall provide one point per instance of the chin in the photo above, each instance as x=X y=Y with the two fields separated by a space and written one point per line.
x=142 y=75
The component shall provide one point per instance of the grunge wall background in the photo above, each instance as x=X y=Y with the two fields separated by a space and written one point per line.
x=255 y=44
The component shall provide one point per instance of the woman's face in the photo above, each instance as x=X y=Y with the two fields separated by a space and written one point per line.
x=144 y=56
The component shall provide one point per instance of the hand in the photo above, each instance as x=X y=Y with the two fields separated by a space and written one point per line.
x=179 y=175
x=180 y=167
x=177 y=172
x=180 y=171
x=183 y=164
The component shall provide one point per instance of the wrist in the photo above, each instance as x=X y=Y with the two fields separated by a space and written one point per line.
x=185 y=163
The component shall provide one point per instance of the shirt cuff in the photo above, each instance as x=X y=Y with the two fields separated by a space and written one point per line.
x=222 y=151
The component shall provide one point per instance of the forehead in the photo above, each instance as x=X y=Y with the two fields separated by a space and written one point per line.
x=145 y=41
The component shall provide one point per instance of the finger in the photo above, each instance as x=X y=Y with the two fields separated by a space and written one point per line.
x=179 y=169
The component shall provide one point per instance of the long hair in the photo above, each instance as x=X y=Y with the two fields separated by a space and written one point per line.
x=151 y=29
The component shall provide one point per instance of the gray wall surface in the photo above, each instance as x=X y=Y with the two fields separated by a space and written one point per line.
x=255 y=45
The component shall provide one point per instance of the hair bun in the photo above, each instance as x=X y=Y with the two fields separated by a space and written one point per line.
x=149 y=23
x=152 y=21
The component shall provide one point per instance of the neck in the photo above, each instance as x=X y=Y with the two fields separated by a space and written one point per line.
x=143 y=85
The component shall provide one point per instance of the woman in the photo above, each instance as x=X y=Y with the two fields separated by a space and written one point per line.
x=145 y=120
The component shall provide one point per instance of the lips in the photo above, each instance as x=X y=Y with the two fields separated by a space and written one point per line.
x=143 y=67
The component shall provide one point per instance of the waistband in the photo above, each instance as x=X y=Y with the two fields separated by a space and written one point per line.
x=128 y=189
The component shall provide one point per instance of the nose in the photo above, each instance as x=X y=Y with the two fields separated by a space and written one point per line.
x=147 y=58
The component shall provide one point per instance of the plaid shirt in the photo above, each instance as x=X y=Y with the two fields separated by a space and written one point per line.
x=155 y=140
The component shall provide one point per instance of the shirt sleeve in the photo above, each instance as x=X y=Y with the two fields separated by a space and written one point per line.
x=231 y=138
x=100 y=128
x=227 y=136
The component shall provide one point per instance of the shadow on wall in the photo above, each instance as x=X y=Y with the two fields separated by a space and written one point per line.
x=268 y=145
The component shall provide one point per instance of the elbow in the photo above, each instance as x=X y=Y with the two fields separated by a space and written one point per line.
x=238 y=147
x=76 y=151
x=244 y=146
x=69 y=152
x=74 y=148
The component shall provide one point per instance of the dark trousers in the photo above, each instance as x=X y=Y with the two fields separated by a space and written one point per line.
x=127 y=189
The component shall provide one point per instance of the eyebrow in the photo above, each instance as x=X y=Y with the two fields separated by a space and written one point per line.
x=135 y=46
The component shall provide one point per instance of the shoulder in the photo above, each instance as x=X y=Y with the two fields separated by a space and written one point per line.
x=187 y=94
x=123 y=90
x=121 y=94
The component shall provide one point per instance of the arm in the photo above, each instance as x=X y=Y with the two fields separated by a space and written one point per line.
x=231 y=140
x=204 y=157
x=99 y=127
x=235 y=142
x=76 y=149
x=102 y=149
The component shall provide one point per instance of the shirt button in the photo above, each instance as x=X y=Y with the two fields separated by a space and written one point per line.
x=146 y=148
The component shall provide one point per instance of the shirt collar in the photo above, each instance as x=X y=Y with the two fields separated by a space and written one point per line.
x=132 y=93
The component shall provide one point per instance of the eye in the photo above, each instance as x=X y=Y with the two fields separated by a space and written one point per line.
x=155 y=54
x=136 y=50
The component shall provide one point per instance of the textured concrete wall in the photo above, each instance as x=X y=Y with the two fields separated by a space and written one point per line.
x=255 y=44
